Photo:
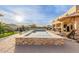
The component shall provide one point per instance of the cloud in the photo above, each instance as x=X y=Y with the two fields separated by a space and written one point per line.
x=8 y=17
x=38 y=14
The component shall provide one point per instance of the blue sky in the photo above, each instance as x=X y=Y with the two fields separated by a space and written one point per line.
x=33 y=14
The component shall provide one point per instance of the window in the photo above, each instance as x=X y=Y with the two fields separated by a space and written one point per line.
x=65 y=25
x=67 y=28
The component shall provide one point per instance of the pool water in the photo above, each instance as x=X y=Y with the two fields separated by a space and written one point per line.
x=39 y=33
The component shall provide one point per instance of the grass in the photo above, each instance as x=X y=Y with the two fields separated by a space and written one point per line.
x=7 y=34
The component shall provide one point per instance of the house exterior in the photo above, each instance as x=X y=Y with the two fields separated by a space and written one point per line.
x=68 y=21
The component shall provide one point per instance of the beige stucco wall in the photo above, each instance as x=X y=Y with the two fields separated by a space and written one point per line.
x=77 y=22
x=77 y=8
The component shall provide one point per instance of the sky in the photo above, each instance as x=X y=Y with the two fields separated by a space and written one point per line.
x=32 y=14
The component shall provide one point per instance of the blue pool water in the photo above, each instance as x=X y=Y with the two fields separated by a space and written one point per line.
x=39 y=33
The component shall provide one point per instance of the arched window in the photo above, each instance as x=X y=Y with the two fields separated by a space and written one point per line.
x=65 y=25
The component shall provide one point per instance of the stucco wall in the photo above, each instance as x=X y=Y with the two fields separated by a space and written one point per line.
x=77 y=22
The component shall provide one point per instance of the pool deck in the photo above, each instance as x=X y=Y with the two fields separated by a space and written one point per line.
x=7 y=45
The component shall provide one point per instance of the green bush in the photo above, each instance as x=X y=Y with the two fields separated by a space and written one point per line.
x=6 y=34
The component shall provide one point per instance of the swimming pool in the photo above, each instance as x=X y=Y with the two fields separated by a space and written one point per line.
x=39 y=37
x=39 y=34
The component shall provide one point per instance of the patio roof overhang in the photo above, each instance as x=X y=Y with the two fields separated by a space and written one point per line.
x=56 y=22
x=70 y=16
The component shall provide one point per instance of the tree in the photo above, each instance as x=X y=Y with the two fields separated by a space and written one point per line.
x=33 y=26
x=23 y=27
x=5 y=28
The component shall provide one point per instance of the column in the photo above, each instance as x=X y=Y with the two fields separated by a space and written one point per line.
x=61 y=26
